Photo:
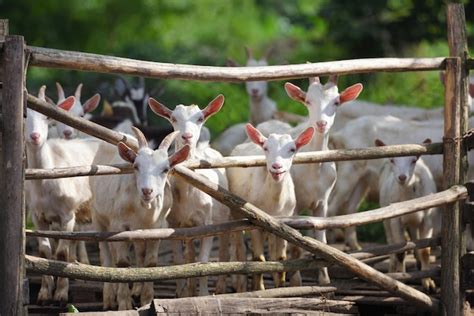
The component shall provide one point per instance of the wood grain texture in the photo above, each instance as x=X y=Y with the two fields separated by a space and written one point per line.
x=53 y=58
x=12 y=178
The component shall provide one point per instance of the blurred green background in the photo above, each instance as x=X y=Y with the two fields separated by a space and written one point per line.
x=207 y=32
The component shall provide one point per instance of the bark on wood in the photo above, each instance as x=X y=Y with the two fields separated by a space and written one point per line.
x=282 y=292
x=53 y=58
x=12 y=177
x=270 y=224
x=79 y=123
x=250 y=161
x=226 y=305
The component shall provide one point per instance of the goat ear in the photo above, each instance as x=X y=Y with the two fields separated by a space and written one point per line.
x=179 y=156
x=159 y=108
x=471 y=89
x=67 y=104
x=214 y=106
x=91 y=103
x=351 y=93
x=255 y=135
x=427 y=141
x=295 y=92
x=379 y=143
x=126 y=152
x=304 y=138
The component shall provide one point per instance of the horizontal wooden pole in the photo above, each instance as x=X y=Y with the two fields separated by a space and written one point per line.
x=249 y=161
x=217 y=305
x=79 y=123
x=53 y=58
x=104 y=274
x=270 y=224
x=283 y=292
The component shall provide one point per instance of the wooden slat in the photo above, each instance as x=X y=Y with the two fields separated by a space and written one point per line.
x=12 y=179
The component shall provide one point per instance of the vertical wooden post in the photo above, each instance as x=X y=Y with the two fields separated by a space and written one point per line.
x=455 y=159
x=12 y=178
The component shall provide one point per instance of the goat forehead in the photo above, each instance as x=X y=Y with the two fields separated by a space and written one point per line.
x=254 y=63
x=321 y=94
x=184 y=113
x=147 y=156
x=403 y=163
x=279 y=140
x=32 y=115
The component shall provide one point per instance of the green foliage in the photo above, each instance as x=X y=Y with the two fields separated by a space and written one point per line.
x=372 y=232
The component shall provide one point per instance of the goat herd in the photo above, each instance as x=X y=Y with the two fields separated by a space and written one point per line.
x=149 y=199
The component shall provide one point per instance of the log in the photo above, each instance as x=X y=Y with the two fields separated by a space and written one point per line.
x=283 y=292
x=218 y=305
x=455 y=158
x=79 y=123
x=270 y=224
x=12 y=177
x=53 y=58
x=250 y=161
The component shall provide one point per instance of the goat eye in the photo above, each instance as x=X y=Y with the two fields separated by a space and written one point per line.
x=413 y=161
x=392 y=161
x=265 y=149
x=293 y=150
x=166 y=170
x=201 y=119
x=135 y=167
x=173 y=119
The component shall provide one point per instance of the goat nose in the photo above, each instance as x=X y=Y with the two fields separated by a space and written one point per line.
x=402 y=177
x=67 y=133
x=147 y=191
x=276 y=166
x=321 y=123
x=35 y=136
x=254 y=91
x=186 y=136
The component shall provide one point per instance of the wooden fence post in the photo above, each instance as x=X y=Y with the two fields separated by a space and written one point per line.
x=12 y=178
x=454 y=159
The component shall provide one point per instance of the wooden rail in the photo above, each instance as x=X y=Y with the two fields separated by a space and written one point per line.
x=451 y=195
x=248 y=161
x=53 y=58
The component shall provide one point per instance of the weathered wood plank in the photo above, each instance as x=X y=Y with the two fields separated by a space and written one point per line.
x=247 y=161
x=12 y=178
x=45 y=57
x=294 y=291
x=267 y=222
x=226 y=305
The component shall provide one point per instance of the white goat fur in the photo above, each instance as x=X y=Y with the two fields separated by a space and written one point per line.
x=141 y=200
x=262 y=108
x=271 y=189
x=191 y=206
x=406 y=178
x=360 y=176
x=314 y=182
x=55 y=203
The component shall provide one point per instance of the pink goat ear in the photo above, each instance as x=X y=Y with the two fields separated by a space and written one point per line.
x=67 y=103
x=351 y=93
x=379 y=143
x=91 y=103
x=255 y=135
x=304 y=138
x=295 y=92
x=214 y=106
x=159 y=108
x=126 y=153
x=179 y=156
x=471 y=89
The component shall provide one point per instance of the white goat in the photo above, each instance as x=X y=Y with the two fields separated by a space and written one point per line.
x=56 y=203
x=361 y=176
x=262 y=109
x=314 y=182
x=406 y=178
x=191 y=206
x=271 y=189
x=78 y=109
x=141 y=200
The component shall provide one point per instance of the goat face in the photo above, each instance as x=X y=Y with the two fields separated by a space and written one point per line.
x=403 y=168
x=256 y=89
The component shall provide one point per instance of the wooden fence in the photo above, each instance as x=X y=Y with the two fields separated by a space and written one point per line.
x=16 y=57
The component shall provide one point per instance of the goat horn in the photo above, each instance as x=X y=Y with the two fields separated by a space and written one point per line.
x=77 y=94
x=248 y=51
x=140 y=137
x=60 y=92
x=168 y=140
x=41 y=93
